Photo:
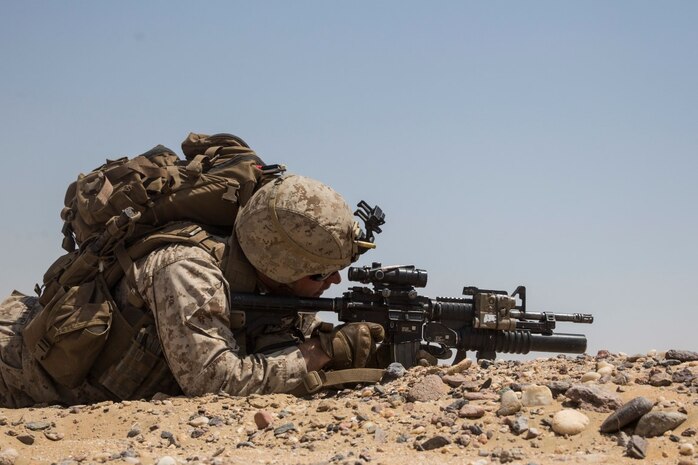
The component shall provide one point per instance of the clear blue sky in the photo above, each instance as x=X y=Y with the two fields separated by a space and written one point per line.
x=544 y=143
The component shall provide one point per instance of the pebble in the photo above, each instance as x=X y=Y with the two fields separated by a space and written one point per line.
x=518 y=424
x=453 y=380
x=626 y=414
x=459 y=367
x=509 y=403
x=471 y=411
x=682 y=355
x=657 y=423
x=394 y=371
x=37 y=425
x=166 y=460
x=199 y=421
x=8 y=456
x=569 y=422
x=660 y=379
x=637 y=447
x=434 y=443
x=53 y=435
x=27 y=439
x=590 y=377
x=534 y=396
x=427 y=389
x=686 y=449
x=284 y=429
x=263 y=419
x=558 y=387
x=531 y=433
x=594 y=398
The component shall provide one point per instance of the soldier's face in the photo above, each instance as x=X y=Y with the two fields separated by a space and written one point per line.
x=309 y=287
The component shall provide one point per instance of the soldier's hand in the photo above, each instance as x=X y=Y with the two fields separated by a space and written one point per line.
x=352 y=345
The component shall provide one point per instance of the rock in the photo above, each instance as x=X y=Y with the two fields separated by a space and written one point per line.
x=133 y=432
x=263 y=419
x=602 y=354
x=380 y=436
x=660 y=379
x=590 y=377
x=53 y=435
x=394 y=371
x=456 y=405
x=628 y=413
x=166 y=460
x=284 y=429
x=558 y=387
x=534 y=396
x=433 y=443
x=37 y=425
x=471 y=412
x=684 y=376
x=686 y=449
x=518 y=424
x=459 y=367
x=453 y=380
x=27 y=439
x=427 y=389
x=8 y=456
x=569 y=422
x=637 y=447
x=199 y=421
x=593 y=398
x=657 y=423
x=621 y=379
x=509 y=403
x=531 y=433
x=688 y=432
x=681 y=355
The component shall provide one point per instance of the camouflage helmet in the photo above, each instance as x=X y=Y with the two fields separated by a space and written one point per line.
x=295 y=226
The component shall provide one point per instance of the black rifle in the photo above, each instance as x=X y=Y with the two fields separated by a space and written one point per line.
x=488 y=321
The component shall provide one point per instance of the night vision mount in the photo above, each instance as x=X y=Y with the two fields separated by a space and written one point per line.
x=373 y=218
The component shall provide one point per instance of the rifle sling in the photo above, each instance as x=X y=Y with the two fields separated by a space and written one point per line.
x=316 y=380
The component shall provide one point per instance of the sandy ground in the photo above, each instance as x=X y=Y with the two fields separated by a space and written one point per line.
x=381 y=424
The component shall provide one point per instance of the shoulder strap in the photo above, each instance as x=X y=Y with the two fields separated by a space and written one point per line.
x=316 y=380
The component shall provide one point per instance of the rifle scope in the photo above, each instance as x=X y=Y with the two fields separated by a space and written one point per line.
x=399 y=275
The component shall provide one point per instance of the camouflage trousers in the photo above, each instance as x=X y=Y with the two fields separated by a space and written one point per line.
x=23 y=382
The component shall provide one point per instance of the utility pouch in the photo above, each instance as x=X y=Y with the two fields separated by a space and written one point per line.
x=68 y=335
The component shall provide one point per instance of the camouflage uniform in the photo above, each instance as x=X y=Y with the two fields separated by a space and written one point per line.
x=185 y=289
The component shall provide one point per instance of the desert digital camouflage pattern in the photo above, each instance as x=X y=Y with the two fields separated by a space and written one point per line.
x=186 y=291
x=295 y=227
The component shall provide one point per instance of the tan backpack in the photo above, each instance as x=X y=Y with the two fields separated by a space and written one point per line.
x=117 y=214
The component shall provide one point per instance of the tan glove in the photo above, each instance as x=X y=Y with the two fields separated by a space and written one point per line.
x=351 y=345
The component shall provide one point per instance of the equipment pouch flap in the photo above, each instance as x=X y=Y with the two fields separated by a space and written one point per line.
x=69 y=333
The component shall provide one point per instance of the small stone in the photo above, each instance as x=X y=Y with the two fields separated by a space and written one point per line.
x=518 y=424
x=688 y=432
x=394 y=371
x=590 y=377
x=453 y=380
x=637 y=447
x=284 y=429
x=509 y=403
x=621 y=379
x=684 y=376
x=686 y=449
x=380 y=436
x=657 y=423
x=660 y=379
x=534 y=396
x=166 y=460
x=133 y=432
x=569 y=422
x=593 y=398
x=459 y=367
x=263 y=419
x=53 y=435
x=433 y=443
x=8 y=456
x=682 y=355
x=471 y=411
x=626 y=414
x=558 y=387
x=531 y=433
x=199 y=421
x=27 y=439
x=427 y=389
x=37 y=425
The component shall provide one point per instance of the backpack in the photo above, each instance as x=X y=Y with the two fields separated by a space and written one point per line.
x=119 y=213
